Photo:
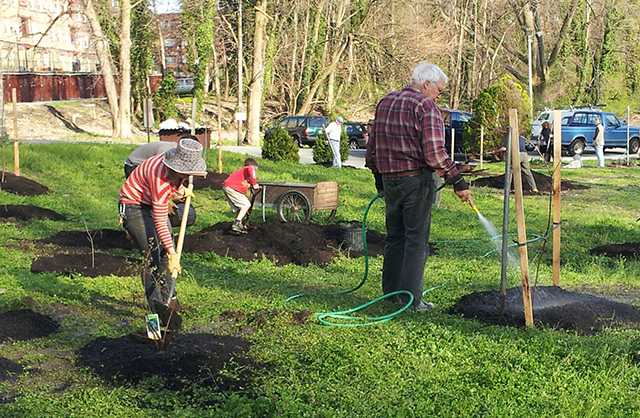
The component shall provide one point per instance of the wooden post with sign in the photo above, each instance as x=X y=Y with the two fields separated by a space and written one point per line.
x=16 y=150
x=557 y=186
x=522 y=230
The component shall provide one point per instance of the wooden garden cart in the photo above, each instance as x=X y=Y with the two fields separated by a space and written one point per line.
x=300 y=202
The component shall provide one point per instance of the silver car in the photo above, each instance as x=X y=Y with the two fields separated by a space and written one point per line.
x=185 y=86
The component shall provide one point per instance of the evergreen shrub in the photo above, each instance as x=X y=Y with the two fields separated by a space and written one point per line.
x=279 y=146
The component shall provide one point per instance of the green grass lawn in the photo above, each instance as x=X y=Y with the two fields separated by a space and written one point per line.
x=416 y=365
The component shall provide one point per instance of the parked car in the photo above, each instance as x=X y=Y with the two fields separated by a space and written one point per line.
x=547 y=115
x=357 y=133
x=304 y=129
x=455 y=120
x=578 y=133
x=185 y=86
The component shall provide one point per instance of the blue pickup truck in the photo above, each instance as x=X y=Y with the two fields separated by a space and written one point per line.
x=578 y=132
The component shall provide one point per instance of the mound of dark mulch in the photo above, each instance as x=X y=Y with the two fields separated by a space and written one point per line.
x=552 y=307
x=283 y=243
x=213 y=181
x=628 y=250
x=195 y=358
x=10 y=371
x=22 y=186
x=544 y=183
x=25 y=324
x=27 y=212
x=103 y=239
x=103 y=265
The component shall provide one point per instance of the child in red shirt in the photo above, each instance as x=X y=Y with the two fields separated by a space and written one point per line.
x=235 y=189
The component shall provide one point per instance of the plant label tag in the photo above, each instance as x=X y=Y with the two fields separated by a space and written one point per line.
x=153 y=326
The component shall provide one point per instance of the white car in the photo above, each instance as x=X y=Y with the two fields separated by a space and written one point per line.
x=185 y=86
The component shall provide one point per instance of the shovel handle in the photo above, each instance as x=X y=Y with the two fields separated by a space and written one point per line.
x=183 y=225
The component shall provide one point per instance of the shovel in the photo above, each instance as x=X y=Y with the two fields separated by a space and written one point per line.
x=254 y=194
x=183 y=229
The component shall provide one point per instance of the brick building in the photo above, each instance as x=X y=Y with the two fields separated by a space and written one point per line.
x=175 y=48
x=30 y=41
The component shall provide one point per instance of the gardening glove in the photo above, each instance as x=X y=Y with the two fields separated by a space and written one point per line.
x=172 y=208
x=173 y=263
x=188 y=193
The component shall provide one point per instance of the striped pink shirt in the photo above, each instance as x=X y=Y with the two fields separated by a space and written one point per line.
x=149 y=184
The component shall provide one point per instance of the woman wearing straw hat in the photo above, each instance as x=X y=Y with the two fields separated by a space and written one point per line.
x=143 y=202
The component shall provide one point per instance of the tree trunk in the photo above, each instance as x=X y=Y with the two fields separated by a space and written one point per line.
x=256 y=85
x=123 y=129
x=106 y=63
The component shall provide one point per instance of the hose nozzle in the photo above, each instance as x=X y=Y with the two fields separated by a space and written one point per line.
x=473 y=207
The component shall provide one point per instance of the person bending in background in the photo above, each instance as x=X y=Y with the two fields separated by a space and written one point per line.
x=524 y=162
x=405 y=146
x=143 y=205
x=143 y=152
x=235 y=189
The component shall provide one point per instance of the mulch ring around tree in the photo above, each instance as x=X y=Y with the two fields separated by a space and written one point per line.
x=203 y=359
x=22 y=186
x=28 y=212
x=553 y=307
x=544 y=183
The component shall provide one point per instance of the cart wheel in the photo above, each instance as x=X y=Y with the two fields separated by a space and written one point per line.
x=294 y=207
x=323 y=216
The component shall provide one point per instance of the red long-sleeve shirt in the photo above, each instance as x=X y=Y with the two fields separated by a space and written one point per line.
x=149 y=184
x=241 y=179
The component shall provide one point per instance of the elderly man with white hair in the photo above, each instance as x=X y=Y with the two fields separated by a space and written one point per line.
x=406 y=145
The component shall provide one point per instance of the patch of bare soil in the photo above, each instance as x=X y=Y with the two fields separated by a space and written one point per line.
x=10 y=371
x=627 y=250
x=21 y=185
x=24 y=325
x=103 y=239
x=28 y=212
x=212 y=180
x=283 y=243
x=203 y=359
x=553 y=307
x=99 y=264
x=544 y=183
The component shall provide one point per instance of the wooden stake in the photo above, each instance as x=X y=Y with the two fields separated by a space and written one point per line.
x=557 y=187
x=16 y=150
x=522 y=229
x=481 y=146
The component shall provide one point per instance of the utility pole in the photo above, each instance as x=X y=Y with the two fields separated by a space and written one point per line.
x=240 y=115
x=529 y=41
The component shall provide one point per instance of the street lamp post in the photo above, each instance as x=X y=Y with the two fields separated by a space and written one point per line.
x=529 y=41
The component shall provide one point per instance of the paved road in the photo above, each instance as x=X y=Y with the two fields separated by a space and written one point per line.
x=356 y=157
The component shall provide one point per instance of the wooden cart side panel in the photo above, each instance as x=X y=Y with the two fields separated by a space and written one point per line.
x=325 y=195
x=273 y=193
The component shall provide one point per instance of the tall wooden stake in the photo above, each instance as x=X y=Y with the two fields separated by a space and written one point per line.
x=522 y=229
x=16 y=150
x=557 y=164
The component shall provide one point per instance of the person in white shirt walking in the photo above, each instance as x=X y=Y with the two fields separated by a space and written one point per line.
x=334 y=132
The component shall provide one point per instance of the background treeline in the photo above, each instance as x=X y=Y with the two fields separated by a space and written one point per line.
x=341 y=56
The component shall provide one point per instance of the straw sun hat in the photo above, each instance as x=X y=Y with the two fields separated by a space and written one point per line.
x=186 y=158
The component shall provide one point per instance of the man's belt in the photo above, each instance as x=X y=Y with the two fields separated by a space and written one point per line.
x=408 y=173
